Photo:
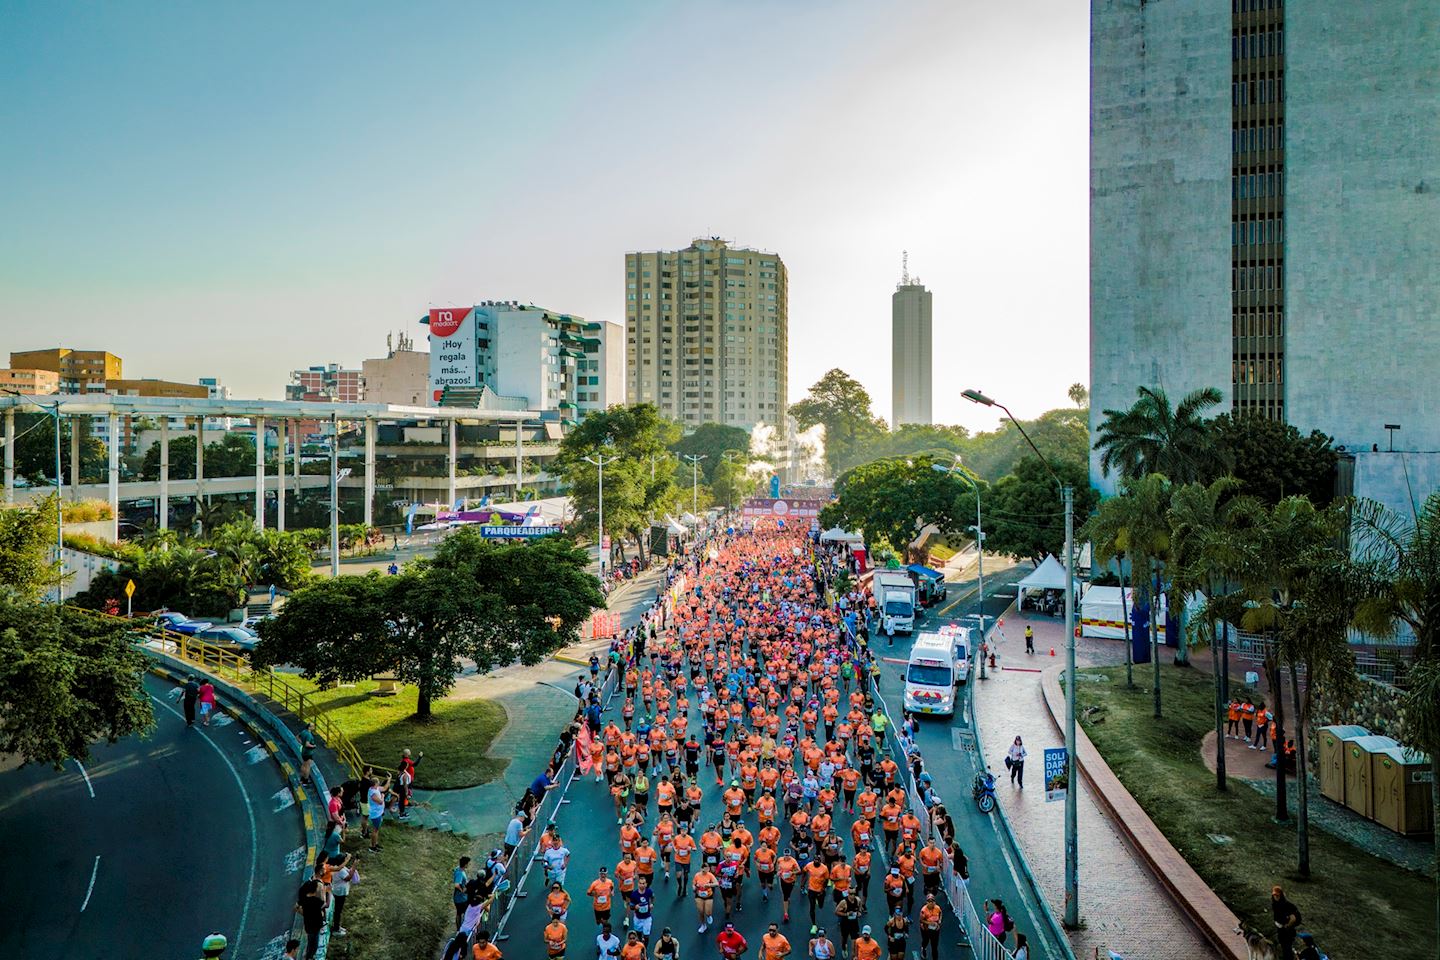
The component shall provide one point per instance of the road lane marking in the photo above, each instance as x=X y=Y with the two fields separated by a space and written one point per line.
x=256 y=754
x=88 y=785
x=254 y=833
x=283 y=798
x=91 y=889
x=294 y=860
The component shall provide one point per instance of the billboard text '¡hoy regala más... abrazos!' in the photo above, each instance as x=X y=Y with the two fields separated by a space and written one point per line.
x=453 y=362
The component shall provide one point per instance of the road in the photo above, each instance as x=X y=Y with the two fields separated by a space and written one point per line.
x=150 y=846
x=951 y=759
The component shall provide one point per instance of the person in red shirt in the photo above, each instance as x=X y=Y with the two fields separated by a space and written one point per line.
x=731 y=943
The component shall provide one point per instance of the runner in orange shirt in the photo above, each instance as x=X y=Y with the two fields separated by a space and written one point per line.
x=602 y=897
x=555 y=936
x=817 y=876
x=705 y=885
x=773 y=945
x=683 y=848
x=765 y=859
x=930 y=920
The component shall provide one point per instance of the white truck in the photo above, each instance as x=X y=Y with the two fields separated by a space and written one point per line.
x=931 y=675
x=895 y=599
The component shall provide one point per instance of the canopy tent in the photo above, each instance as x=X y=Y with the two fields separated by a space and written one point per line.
x=920 y=570
x=844 y=536
x=1101 y=613
x=1049 y=575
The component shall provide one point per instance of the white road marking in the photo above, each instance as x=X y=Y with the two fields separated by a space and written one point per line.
x=176 y=694
x=221 y=719
x=254 y=834
x=88 y=785
x=294 y=860
x=256 y=754
x=275 y=949
x=283 y=798
x=91 y=889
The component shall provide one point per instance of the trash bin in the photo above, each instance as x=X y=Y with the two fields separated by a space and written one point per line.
x=1358 y=794
x=1400 y=780
x=1332 y=758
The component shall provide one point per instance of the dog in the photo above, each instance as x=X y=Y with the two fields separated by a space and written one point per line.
x=1259 y=947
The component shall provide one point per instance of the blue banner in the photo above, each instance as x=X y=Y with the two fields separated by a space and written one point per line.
x=1057 y=776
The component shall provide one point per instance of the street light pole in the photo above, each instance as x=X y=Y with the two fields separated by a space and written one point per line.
x=334 y=496
x=695 y=483
x=54 y=411
x=1072 y=851
x=979 y=543
x=599 y=460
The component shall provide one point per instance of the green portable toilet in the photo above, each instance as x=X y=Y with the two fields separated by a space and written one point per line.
x=1358 y=793
x=1332 y=757
x=1400 y=781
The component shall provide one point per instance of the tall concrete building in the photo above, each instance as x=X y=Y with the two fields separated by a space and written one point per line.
x=707 y=333
x=326 y=382
x=1264 y=216
x=79 y=371
x=910 y=362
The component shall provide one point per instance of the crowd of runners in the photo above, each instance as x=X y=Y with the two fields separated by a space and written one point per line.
x=744 y=751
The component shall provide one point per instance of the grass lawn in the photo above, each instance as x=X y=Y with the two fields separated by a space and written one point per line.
x=401 y=910
x=1357 y=905
x=455 y=739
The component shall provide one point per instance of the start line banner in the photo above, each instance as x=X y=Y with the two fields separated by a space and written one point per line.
x=767 y=507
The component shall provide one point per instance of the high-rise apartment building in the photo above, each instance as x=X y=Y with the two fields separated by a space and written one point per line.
x=707 y=333
x=326 y=382
x=910 y=363
x=1264 y=212
x=30 y=381
x=80 y=371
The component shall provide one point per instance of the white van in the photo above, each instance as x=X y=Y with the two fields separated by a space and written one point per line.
x=960 y=643
x=931 y=676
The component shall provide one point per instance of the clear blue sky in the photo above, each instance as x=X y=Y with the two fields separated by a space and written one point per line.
x=239 y=189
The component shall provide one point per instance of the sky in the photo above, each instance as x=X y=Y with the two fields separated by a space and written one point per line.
x=237 y=190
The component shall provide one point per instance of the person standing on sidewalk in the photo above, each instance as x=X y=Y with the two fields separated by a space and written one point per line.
x=1262 y=728
x=307 y=751
x=1247 y=717
x=192 y=694
x=206 y=696
x=1015 y=760
x=1029 y=639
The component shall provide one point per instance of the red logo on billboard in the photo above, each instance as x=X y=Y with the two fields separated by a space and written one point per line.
x=446 y=320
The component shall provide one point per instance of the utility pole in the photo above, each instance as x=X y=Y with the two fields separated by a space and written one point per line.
x=695 y=482
x=599 y=460
x=334 y=495
x=1072 y=853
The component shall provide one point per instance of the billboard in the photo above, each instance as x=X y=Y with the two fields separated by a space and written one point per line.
x=454 y=355
x=1057 y=777
x=775 y=507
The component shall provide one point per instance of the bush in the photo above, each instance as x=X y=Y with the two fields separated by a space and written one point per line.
x=89 y=543
x=88 y=511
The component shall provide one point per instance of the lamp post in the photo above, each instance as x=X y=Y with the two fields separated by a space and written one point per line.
x=599 y=460
x=54 y=411
x=695 y=484
x=334 y=495
x=1072 y=853
x=979 y=542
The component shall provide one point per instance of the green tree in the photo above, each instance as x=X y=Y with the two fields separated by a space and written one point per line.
x=1078 y=394
x=912 y=439
x=839 y=403
x=35 y=448
x=1151 y=437
x=1210 y=528
x=1274 y=460
x=490 y=603
x=27 y=541
x=892 y=499
x=733 y=481
x=1024 y=513
x=69 y=678
x=638 y=438
x=233 y=455
x=182 y=459
x=1063 y=433
x=711 y=440
x=1398 y=574
x=1135 y=525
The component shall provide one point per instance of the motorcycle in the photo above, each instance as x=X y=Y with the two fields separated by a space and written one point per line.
x=984 y=791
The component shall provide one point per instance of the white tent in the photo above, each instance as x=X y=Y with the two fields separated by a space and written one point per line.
x=843 y=536
x=1050 y=575
x=1101 y=613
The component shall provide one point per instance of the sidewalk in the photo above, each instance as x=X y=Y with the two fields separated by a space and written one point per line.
x=1124 y=908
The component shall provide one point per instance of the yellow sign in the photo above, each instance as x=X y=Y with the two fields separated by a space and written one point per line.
x=129 y=588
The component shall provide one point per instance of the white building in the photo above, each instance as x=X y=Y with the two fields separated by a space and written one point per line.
x=1264 y=212
x=910 y=356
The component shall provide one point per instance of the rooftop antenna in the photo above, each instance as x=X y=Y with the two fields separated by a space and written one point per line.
x=905 y=267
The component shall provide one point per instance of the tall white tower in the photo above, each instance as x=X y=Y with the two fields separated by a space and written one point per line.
x=910 y=349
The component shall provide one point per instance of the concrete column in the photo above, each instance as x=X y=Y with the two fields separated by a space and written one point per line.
x=199 y=463
x=282 y=437
x=369 y=471
x=113 y=475
x=259 y=473
x=334 y=496
x=10 y=455
x=450 y=469
x=297 y=461
x=74 y=461
x=164 y=473
x=519 y=457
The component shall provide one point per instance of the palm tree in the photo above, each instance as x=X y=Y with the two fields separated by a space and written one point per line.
x=1150 y=437
x=1135 y=526
x=1398 y=562
x=1209 y=531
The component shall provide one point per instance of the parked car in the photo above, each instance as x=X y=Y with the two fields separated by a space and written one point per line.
x=180 y=623
x=250 y=623
x=236 y=638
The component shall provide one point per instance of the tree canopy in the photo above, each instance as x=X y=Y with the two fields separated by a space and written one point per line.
x=1273 y=460
x=892 y=499
x=233 y=455
x=27 y=538
x=35 y=448
x=712 y=440
x=490 y=603
x=838 y=402
x=1024 y=513
x=1152 y=437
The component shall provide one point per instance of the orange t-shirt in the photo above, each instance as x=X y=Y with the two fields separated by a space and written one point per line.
x=602 y=892
x=682 y=846
x=816 y=875
x=485 y=951
x=867 y=948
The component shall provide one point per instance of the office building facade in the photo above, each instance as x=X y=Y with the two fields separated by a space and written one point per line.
x=30 y=381
x=1264 y=215
x=706 y=333
x=326 y=382
x=79 y=371
x=910 y=358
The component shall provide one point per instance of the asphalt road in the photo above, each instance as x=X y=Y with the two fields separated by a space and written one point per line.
x=952 y=761
x=154 y=844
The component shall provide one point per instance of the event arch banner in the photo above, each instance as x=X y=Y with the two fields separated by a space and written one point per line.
x=779 y=507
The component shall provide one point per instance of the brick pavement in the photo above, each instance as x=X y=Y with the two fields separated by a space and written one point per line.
x=1123 y=907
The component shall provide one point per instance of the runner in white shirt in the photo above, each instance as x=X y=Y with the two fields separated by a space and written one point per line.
x=607 y=945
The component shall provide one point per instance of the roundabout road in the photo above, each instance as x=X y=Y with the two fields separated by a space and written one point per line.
x=150 y=846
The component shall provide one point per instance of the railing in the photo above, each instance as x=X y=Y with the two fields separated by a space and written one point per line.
x=1255 y=647
x=237 y=669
